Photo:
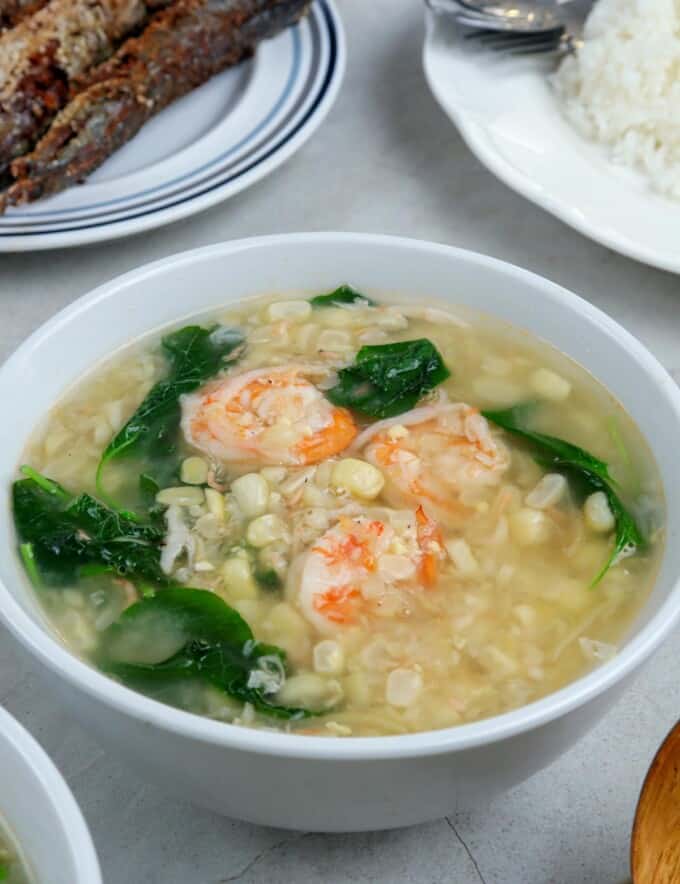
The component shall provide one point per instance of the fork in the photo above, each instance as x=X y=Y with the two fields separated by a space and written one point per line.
x=524 y=16
x=521 y=28
x=558 y=41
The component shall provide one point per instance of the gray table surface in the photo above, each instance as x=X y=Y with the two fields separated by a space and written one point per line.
x=386 y=160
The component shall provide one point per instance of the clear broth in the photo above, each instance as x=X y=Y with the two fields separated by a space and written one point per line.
x=512 y=615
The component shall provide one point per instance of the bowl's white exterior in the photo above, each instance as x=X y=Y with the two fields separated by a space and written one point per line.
x=42 y=812
x=310 y=782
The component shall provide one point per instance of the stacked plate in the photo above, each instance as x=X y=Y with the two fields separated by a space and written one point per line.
x=206 y=147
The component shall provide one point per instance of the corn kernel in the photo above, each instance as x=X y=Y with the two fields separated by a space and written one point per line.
x=194 y=471
x=251 y=493
x=310 y=691
x=549 y=491
x=182 y=495
x=549 y=385
x=358 y=689
x=529 y=527
x=329 y=657
x=358 y=477
x=215 y=502
x=284 y=619
x=274 y=475
x=598 y=514
x=265 y=530
x=334 y=339
x=295 y=310
x=403 y=687
x=209 y=526
x=462 y=556
x=238 y=578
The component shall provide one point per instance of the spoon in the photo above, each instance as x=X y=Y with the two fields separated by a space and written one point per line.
x=655 y=843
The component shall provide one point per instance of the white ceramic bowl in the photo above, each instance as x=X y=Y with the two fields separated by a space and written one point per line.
x=41 y=811
x=318 y=783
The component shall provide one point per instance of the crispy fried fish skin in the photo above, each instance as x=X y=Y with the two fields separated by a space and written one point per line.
x=181 y=49
x=190 y=37
x=44 y=52
x=40 y=92
x=13 y=11
x=108 y=114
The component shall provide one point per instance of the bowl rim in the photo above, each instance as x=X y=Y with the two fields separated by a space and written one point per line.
x=58 y=794
x=426 y=743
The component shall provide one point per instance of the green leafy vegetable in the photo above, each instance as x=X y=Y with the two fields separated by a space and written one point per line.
x=60 y=534
x=195 y=355
x=49 y=486
x=148 y=487
x=30 y=564
x=4 y=871
x=627 y=537
x=208 y=641
x=553 y=452
x=344 y=294
x=632 y=477
x=267 y=578
x=389 y=379
x=588 y=472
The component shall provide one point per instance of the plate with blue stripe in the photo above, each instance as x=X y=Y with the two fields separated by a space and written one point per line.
x=204 y=148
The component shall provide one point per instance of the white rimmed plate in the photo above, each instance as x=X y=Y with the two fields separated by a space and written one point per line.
x=506 y=113
x=203 y=149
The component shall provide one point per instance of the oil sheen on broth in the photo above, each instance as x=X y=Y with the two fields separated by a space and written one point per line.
x=412 y=564
x=13 y=868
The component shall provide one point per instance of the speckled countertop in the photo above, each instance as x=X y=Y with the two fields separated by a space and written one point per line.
x=396 y=166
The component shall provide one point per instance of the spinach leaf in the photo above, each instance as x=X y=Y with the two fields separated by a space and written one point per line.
x=49 y=486
x=195 y=354
x=553 y=452
x=388 y=379
x=213 y=643
x=627 y=538
x=60 y=534
x=267 y=578
x=344 y=294
x=587 y=472
x=148 y=488
x=31 y=566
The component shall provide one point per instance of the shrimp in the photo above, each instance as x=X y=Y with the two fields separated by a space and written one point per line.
x=269 y=416
x=362 y=564
x=441 y=455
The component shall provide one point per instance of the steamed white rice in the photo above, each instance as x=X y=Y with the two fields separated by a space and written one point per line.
x=622 y=88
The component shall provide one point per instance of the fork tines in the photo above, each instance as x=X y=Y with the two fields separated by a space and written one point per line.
x=519 y=42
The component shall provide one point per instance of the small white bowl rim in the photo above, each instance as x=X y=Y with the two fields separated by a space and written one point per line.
x=438 y=742
x=58 y=794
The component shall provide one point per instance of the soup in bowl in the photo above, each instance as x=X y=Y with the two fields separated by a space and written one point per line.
x=14 y=867
x=418 y=516
x=339 y=516
x=43 y=836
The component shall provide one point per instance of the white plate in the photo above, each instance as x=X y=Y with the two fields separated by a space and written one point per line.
x=509 y=118
x=204 y=148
